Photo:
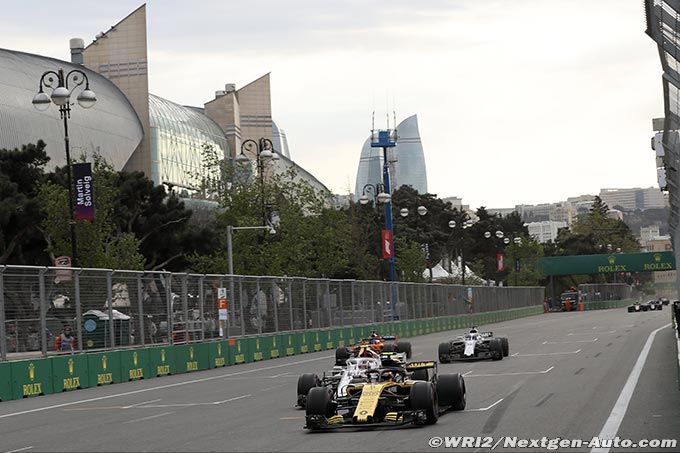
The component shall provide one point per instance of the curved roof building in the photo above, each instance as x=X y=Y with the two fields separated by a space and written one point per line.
x=110 y=128
x=407 y=161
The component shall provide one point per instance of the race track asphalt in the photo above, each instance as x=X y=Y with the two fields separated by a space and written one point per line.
x=564 y=376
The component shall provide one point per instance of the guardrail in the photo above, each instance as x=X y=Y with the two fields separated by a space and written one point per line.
x=41 y=376
x=607 y=304
x=110 y=309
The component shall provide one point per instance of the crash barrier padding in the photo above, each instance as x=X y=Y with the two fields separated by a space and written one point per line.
x=675 y=321
x=31 y=378
x=162 y=361
x=5 y=381
x=191 y=357
x=25 y=378
x=134 y=364
x=607 y=304
x=69 y=372
x=104 y=368
x=242 y=353
x=218 y=352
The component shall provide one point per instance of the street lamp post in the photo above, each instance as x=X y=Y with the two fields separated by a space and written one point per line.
x=264 y=151
x=58 y=82
x=461 y=239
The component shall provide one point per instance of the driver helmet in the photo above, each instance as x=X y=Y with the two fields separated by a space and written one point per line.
x=388 y=376
x=374 y=334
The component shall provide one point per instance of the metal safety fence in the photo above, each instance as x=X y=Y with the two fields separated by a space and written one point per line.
x=106 y=309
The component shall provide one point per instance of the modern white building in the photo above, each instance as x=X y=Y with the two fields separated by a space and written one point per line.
x=635 y=198
x=546 y=230
x=648 y=233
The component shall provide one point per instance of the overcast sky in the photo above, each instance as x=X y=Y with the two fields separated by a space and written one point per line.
x=518 y=101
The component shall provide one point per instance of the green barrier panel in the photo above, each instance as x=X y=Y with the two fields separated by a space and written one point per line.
x=104 y=368
x=262 y=348
x=326 y=339
x=314 y=340
x=304 y=345
x=242 y=351
x=162 y=361
x=69 y=373
x=339 y=337
x=352 y=337
x=5 y=382
x=291 y=343
x=277 y=347
x=134 y=364
x=192 y=357
x=31 y=378
x=218 y=352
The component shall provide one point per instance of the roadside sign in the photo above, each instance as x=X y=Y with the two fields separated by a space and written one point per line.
x=500 y=262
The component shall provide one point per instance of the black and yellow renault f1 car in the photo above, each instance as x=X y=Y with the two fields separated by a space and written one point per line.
x=390 y=396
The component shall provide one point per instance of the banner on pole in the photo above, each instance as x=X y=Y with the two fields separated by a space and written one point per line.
x=387 y=250
x=500 y=262
x=82 y=182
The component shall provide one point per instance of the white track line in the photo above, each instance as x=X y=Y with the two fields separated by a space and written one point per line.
x=161 y=387
x=19 y=449
x=547 y=353
x=611 y=426
x=482 y=409
x=512 y=374
x=588 y=333
x=148 y=418
x=566 y=342
x=141 y=404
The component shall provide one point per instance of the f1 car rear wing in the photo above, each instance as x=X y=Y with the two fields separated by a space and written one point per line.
x=486 y=334
x=389 y=337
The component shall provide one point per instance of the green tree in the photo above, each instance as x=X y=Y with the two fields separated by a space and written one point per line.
x=21 y=174
x=100 y=245
x=528 y=252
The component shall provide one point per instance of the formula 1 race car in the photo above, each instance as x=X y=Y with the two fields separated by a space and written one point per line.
x=389 y=396
x=353 y=371
x=474 y=345
x=377 y=343
x=650 y=305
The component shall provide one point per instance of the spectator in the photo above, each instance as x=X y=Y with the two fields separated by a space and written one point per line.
x=66 y=341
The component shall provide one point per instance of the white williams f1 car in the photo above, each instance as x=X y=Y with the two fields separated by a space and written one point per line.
x=474 y=345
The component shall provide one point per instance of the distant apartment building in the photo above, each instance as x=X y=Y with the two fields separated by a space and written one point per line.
x=561 y=211
x=456 y=203
x=635 y=198
x=546 y=230
x=648 y=233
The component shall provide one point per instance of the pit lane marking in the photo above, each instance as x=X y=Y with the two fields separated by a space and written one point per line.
x=161 y=387
x=512 y=374
x=574 y=341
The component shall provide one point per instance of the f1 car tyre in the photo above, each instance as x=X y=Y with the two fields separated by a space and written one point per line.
x=444 y=353
x=506 y=346
x=404 y=347
x=496 y=347
x=451 y=391
x=420 y=375
x=389 y=347
x=306 y=382
x=319 y=402
x=423 y=397
x=341 y=356
x=631 y=309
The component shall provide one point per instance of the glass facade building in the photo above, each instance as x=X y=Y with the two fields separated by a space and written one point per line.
x=178 y=135
x=111 y=128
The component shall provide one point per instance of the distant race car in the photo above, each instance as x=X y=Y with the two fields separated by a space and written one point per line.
x=378 y=343
x=637 y=306
x=664 y=301
x=656 y=304
x=411 y=393
x=474 y=345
